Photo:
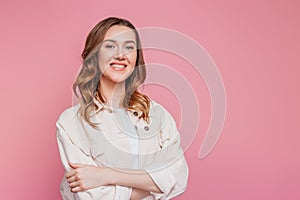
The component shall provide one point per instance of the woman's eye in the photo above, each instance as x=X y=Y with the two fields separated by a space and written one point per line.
x=109 y=46
x=129 y=47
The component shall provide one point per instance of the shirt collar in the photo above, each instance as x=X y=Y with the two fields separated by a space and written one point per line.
x=102 y=106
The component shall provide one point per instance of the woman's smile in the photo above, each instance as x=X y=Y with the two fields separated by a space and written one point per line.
x=118 y=66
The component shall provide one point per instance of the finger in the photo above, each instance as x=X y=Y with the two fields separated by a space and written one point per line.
x=75 y=165
x=76 y=189
x=72 y=179
x=70 y=173
x=74 y=184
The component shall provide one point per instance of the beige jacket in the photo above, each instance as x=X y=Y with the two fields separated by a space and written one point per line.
x=123 y=141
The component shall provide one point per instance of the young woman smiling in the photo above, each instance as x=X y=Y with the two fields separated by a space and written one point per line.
x=117 y=143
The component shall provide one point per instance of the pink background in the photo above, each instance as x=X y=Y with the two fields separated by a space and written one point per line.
x=255 y=44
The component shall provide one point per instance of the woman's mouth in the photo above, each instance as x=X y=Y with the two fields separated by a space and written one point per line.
x=118 y=66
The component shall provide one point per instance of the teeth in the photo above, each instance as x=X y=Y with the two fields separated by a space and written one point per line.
x=118 y=66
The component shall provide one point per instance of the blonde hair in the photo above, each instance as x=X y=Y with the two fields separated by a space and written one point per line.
x=88 y=78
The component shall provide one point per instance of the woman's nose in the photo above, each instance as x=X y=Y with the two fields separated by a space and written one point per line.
x=120 y=54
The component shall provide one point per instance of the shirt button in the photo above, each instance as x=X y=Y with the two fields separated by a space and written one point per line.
x=135 y=113
x=146 y=128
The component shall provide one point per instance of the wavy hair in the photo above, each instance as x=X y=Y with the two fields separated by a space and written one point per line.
x=88 y=79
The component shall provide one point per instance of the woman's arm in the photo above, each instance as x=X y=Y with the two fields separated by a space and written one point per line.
x=70 y=151
x=138 y=178
x=83 y=177
x=138 y=194
x=169 y=169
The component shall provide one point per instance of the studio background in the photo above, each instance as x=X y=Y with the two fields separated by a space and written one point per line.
x=255 y=45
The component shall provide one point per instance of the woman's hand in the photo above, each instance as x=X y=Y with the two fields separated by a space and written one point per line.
x=83 y=177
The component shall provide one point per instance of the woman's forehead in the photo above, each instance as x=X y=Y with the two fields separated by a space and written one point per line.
x=120 y=34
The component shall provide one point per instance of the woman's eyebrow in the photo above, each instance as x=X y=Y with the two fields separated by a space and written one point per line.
x=130 y=41
x=109 y=40
x=114 y=41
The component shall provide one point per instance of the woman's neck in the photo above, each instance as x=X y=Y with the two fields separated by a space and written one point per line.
x=112 y=92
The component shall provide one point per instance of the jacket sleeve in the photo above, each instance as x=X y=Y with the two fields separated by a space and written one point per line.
x=170 y=170
x=70 y=152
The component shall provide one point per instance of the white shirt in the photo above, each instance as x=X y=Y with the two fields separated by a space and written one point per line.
x=123 y=141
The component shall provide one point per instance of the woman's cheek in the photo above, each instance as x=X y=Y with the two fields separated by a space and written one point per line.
x=133 y=58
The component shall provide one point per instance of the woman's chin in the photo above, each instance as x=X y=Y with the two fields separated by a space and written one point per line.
x=118 y=80
x=115 y=77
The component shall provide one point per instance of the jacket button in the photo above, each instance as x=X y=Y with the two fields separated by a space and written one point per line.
x=135 y=113
x=146 y=128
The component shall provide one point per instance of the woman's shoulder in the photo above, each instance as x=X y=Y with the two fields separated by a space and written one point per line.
x=157 y=109
x=68 y=114
x=155 y=104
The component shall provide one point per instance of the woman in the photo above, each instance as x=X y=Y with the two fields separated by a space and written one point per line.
x=117 y=143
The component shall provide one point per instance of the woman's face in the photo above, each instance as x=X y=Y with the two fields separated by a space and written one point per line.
x=118 y=54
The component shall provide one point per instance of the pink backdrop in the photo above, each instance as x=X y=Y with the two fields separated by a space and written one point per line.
x=254 y=43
